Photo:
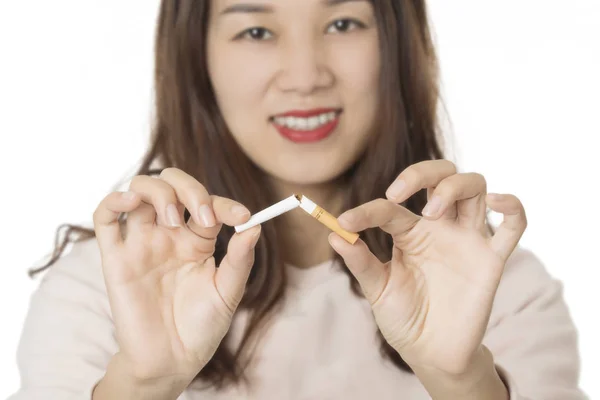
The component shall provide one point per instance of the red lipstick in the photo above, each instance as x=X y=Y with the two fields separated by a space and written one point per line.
x=296 y=125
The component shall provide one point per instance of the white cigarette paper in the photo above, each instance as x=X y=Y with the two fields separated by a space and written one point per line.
x=308 y=205
x=268 y=213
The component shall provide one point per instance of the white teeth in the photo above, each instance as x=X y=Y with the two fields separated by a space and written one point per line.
x=313 y=122
x=305 y=124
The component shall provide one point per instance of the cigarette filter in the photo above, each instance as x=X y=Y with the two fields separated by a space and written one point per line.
x=326 y=219
x=268 y=213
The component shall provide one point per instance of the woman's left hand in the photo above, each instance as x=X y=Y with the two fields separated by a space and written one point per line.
x=433 y=300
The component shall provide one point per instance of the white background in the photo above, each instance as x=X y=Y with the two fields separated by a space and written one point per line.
x=520 y=82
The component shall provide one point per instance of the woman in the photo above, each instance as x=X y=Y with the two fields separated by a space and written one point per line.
x=334 y=99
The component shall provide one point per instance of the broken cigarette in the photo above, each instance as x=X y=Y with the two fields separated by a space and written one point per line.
x=268 y=213
x=325 y=218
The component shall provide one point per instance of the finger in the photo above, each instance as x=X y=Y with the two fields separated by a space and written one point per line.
x=192 y=194
x=371 y=274
x=162 y=197
x=208 y=212
x=106 y=224
x=390 y=217
x=422 y=175
x=143 y=216
x=229 y=212
x=140 y=219
x=513 y=226
x=459 y=196
x=235 y=267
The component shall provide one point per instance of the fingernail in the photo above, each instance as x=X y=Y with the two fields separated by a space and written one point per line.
x=173 y=217
x=331 y=243
x=396 y=189
x=240 y=211
x=206 y=216
x=329 y=238
x=433 y=206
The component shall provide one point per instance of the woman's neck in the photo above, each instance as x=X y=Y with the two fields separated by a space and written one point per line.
x=304 y=239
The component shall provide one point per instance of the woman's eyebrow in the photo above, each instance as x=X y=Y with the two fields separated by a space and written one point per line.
x=247 y=8
x=331 y=3
x=263 y=8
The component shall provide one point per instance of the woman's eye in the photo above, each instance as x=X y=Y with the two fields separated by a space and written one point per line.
x=344 y=25
x=255 y=33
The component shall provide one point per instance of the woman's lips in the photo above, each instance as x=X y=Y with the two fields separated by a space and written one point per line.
x=295 y=125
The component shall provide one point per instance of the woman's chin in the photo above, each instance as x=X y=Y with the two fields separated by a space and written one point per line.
x=306 y=169
x=307 y=176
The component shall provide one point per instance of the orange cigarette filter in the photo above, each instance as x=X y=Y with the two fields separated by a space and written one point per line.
x=325 y=218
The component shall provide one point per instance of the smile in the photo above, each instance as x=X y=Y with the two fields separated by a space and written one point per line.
x=307 y=126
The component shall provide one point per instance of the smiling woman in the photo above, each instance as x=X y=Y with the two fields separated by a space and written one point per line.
x=280 y=69
x=257 y=101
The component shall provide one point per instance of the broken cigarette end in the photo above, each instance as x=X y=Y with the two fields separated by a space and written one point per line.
x=326 y=218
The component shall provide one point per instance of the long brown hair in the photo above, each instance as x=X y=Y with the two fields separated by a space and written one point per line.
x=191 y=134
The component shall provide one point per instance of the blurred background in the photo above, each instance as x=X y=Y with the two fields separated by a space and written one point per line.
x=520 y=83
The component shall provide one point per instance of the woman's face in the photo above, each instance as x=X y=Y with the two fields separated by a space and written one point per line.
x=296 y=81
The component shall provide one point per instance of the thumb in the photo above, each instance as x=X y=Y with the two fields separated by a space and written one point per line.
x=232 y=274
x=513 y=226
x=371 y=274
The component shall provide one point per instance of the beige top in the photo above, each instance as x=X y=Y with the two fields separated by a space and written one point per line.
x=322 y=346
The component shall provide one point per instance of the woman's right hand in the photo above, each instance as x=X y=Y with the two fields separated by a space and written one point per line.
x=171 y=306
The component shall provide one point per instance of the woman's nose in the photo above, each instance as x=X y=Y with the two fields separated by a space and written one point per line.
x=304 y=67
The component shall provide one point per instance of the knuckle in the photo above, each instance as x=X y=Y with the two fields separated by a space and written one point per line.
x=475 y=179
x=197 y=186
x=479 y=177
x=220 y=203
x=168 y=172
x=519 y=210
x=193 y=186
x=443 y=163
x=166 y=192
x=482 y=181
x=447 y=164
x=381 y=202
x=447 y=188
x=516 y=202
x=205 y=246
x=522 y=211
x=96 y=216
x=186 y=190
x=190 y=194
x=152 y=187
x=411 y=176
x=183 y=183
x=137 y=181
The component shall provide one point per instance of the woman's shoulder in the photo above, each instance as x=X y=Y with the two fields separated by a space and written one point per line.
x=526 y=285
x=525 y=266
x=82 y=266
